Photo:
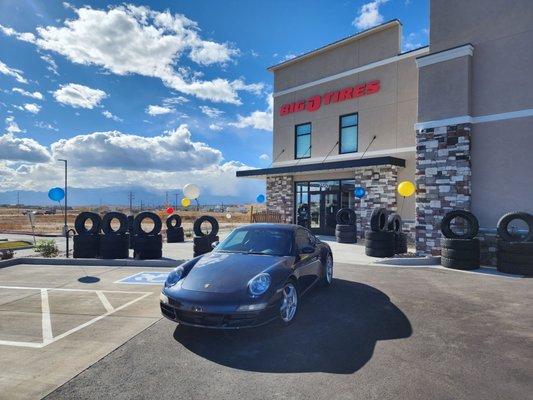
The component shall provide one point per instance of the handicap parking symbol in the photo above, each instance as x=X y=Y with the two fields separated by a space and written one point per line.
x=145 y=278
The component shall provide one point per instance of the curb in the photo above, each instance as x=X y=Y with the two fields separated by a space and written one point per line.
x=411 y=261
x=162 y=263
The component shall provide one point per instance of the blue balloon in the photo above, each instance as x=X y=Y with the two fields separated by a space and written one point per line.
x=56 y=194
x=260 y=198
x=359 y=192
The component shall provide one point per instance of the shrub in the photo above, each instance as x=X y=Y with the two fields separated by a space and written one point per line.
x=47 y=248
x=6 y=254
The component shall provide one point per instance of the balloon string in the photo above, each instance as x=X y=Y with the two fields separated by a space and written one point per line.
x=403 y=201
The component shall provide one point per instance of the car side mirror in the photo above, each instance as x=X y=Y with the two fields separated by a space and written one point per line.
x=307 y=250
x=215 y=244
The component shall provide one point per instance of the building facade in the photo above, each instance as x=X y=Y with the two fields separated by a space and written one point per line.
x=455 y=117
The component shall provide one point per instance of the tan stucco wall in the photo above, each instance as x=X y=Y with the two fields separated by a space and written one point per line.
x=389 y=114
x=502 y=168
x=377 y=46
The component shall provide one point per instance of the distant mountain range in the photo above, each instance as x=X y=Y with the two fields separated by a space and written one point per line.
x=116 y=197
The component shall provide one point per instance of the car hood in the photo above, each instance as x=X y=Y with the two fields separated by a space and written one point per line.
x=219 y=272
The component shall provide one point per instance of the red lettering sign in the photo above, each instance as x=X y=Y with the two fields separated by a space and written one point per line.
x=314 y=103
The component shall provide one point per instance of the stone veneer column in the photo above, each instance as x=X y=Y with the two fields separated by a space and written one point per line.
x=380 y=192
x=280 y=196
x=443 y=180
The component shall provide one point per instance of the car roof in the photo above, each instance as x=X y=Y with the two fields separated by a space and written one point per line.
x=285 y=227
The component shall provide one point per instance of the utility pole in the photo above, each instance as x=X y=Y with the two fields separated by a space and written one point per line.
x=18 y=200
x=66 y=204
x=166 y=198
x=131 y=197
x=176 y=204
x=141 y=205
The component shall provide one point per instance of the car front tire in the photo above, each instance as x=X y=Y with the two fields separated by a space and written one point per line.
x=327 y=276
x=289 y=303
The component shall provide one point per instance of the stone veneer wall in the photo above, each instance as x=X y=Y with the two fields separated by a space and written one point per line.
x=280 y=196
x=443 y=181
x=380 y=192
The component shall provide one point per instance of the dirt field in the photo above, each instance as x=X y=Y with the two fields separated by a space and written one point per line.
x=12 y=220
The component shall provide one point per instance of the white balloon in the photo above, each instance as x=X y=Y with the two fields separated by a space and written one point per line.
x=191 y=191
x=228 y=216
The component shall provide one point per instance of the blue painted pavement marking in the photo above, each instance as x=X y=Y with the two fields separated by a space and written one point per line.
x=145 y=278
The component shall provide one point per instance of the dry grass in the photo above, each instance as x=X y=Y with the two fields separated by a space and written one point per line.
x=12 y=220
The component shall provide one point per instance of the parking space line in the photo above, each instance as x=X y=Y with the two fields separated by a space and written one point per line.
x=48 y=337
x=46 y=321
x=104 y=301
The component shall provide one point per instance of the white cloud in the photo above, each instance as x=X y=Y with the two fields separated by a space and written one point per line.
x=211 y=112
x=15 y=73
x=178 y=100
x=262 y=120
x=34 y=95
x=130 y=39
x=215 y=127
x=11 y=125
x=52 y=66
x=264 y=157
x=368 y=15
x=77 y=96
x=46 y=125
x=32 y=107
x=158 y=110
x=110 y=115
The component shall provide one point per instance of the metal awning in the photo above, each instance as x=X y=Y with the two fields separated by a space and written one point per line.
x=322 y=167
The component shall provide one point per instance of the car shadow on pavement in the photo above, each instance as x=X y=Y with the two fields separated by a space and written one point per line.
x=335 y=331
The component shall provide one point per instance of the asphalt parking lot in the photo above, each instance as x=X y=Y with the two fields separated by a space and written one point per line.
x=377 y=333
x=55 y=321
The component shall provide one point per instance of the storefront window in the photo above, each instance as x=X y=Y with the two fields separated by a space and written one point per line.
x=348 y=133
x=347 y=193
x=321 y=186
x=303 y=141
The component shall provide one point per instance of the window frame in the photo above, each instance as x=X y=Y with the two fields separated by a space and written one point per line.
x=349 y=126
x=296 y=140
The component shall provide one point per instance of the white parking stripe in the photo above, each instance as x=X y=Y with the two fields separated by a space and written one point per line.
x=104 y=301
x=46 y=321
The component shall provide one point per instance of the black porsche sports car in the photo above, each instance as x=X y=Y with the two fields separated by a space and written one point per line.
x=256 y=275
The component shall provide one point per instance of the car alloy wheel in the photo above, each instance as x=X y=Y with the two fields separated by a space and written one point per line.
x=329 y=269
x=289 y=303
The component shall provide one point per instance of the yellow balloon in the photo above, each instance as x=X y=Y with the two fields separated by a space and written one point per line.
x=406 y=188
x=185 y=202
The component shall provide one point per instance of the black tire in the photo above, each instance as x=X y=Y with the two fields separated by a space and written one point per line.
x=503 y=225
x=197 y=226
x=137 y=222
x=465 y=265
x=303 y=210
x=148 y=247
x=380 y=236
x=400 y=243
x=461 y=254
x=516 y=258
x=345 y=228
x=324 y=279
x=86 y=246
x=394 y=223
x=516 y=269
x=122 y=219
x=114 y=246
x=343 y=239
x=79 y=223
x=345 y=235
x=380 y=245
x=346 y=216
x=294 y=284
x=175 y=235
x=471 y=223
x=173 y=222
x=515 y=247
x=461 y=244
x=378 y=220
x=381 y=252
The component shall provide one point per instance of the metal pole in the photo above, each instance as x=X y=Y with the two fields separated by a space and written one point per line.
x=65 y=228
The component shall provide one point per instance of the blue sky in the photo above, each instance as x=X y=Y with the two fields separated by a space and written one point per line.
x=157 y=94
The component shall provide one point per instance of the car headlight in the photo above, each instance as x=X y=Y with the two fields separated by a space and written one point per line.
x=174 y=276
x=259 y=284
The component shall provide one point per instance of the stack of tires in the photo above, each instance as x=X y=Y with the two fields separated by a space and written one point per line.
x=460 y=250
x=203 y=240
x=379 y=242
x=114 y=243
x=174 y=229
x=86 y=242
x=345 y=229
x=394 y=224
x=515 y=253
x=147 y=245
x=303 y=216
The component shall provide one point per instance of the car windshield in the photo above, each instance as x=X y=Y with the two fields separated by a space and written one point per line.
x=268 y=241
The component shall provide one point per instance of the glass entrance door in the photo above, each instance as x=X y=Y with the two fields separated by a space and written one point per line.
x=323 y=208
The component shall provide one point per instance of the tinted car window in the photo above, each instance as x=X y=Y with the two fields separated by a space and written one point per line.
x=258 y=241
x=303 y=239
